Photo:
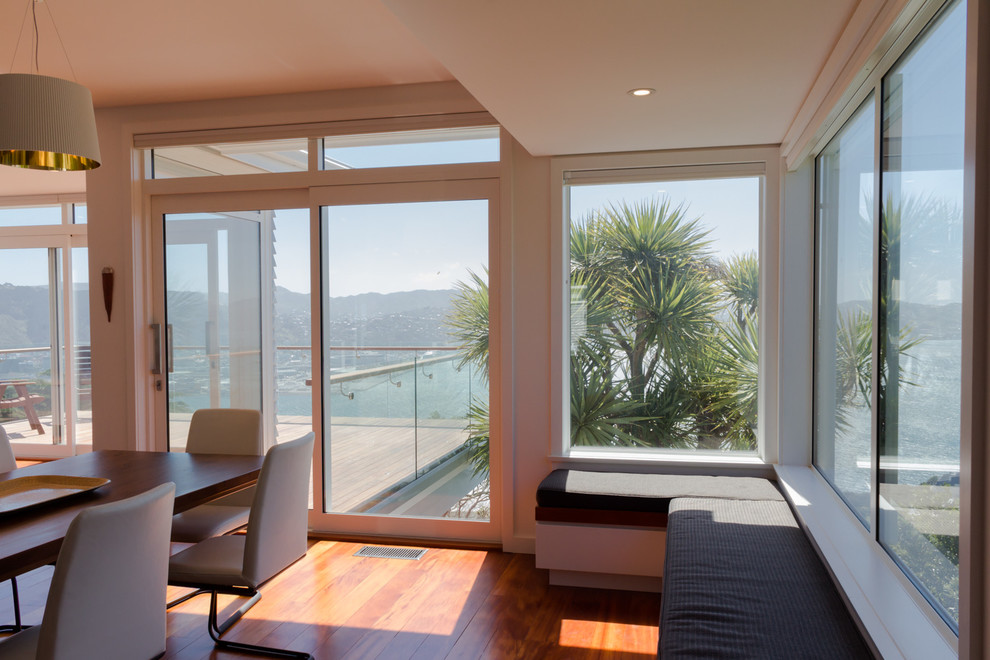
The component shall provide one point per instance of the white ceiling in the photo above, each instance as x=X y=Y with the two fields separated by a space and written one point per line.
x=553 y=72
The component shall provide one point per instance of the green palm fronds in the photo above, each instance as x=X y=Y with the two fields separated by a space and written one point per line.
x=601 y=413
x=479 y=436
x=469 y=320
x=741 y=280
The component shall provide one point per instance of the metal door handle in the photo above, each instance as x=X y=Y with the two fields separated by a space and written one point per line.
x=156 y=365
x=168 y=348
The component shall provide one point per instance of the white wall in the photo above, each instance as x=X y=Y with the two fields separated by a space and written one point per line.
x=531 y=344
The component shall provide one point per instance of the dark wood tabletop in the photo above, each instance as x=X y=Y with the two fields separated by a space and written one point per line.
x=31 y=537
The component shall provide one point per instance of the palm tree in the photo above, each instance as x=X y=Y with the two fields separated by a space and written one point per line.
x=468 y=321
x=646 y=285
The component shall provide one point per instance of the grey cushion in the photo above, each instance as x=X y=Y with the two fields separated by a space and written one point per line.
x=741 y=580
x=581 y=489
x=218 y=560
x=202 y=522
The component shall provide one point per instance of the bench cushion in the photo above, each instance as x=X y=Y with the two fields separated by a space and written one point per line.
x=741 y=579
x=620 y=491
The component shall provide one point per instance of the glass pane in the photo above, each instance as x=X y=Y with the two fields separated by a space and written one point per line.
x=406 y=354
x=30 y=216
x=213 y=312
x=79 y=215
x=293 y=344
x=407 y=148
x=844 y=315
x=82 y=367
x=921 y=308
x=29 y=328
x=664 y=287
x=230 y=159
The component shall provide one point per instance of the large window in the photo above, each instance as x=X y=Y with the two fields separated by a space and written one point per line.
x=844 y=292
x=664 y=300
x=466 y=144
x=903 y=394
x=45 y=403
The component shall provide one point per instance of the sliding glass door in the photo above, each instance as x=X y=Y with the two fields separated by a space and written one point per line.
x=405 y=342
x=365 y=318
x=213 y=314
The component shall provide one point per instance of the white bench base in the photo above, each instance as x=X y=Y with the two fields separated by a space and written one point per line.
x=601 y=556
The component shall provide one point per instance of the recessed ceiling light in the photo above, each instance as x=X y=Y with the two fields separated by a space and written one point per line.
x=642 y=91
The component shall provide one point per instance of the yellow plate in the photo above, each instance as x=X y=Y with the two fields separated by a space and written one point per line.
x=23 y=492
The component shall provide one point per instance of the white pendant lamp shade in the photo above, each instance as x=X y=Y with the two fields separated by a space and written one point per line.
x=47 y=123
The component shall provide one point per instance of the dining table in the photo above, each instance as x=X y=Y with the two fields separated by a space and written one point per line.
x=31 y=537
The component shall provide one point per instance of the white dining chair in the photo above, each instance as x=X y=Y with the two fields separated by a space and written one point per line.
x=8 y=463
x=7 y=460
x=275 y=539
x=220 y=431
x=107 y=596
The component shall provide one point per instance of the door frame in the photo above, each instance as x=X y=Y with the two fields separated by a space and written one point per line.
x=222 y=202
x=313 y=197
x=366 y=525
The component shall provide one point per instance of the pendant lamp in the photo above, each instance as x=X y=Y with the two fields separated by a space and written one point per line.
x=46 y=123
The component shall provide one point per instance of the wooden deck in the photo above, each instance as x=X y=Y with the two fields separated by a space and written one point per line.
x=369 y=459
x=20 y=430
x=464 y=604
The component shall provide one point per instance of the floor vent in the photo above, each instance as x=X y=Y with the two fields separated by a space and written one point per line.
x=383 y=552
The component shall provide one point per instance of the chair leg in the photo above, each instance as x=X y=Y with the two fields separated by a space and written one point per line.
x=181 y=599
x=17 y=626
x=217 y=630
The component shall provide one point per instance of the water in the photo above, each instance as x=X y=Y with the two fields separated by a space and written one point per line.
x=929 y=421
x=430 y=390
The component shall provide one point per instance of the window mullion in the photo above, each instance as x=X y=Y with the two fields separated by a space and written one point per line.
x=875 y=312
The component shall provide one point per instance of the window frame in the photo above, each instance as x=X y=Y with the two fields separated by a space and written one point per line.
x=65 y=236
x=898 y=619
x=729 y=162
x=313 y=188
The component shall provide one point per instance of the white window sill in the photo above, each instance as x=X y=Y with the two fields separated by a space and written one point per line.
x=895 y=616
x=714 y=462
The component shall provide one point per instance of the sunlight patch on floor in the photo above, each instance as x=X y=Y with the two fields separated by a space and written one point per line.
x=617 y=637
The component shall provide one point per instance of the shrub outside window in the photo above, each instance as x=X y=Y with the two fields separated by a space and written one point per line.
x=664 y=300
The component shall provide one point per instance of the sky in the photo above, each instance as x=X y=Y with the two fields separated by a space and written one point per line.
x=728 y=208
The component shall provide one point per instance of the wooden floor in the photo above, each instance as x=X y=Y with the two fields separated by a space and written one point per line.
x=451 y=604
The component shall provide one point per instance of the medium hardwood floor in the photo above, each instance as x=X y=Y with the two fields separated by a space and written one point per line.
x=450 y=604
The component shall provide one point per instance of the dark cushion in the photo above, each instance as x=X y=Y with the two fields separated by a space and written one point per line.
x=620 y=491
x=741 y=580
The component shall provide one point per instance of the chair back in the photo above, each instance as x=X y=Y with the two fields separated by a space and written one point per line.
x=107 y=595
x=226 y=431
x=276 y=531
x=7 y=460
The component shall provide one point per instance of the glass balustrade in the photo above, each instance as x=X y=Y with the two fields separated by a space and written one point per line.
x=398 y=420
x=27 y=388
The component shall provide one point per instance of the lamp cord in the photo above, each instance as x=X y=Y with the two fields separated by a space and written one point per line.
x=34 y=18
x=20 y=35
x=65 y=53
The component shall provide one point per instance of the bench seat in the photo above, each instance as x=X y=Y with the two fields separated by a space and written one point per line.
x=620 y=491
x=741 y=580
x=607 y=529
x=21 y=401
